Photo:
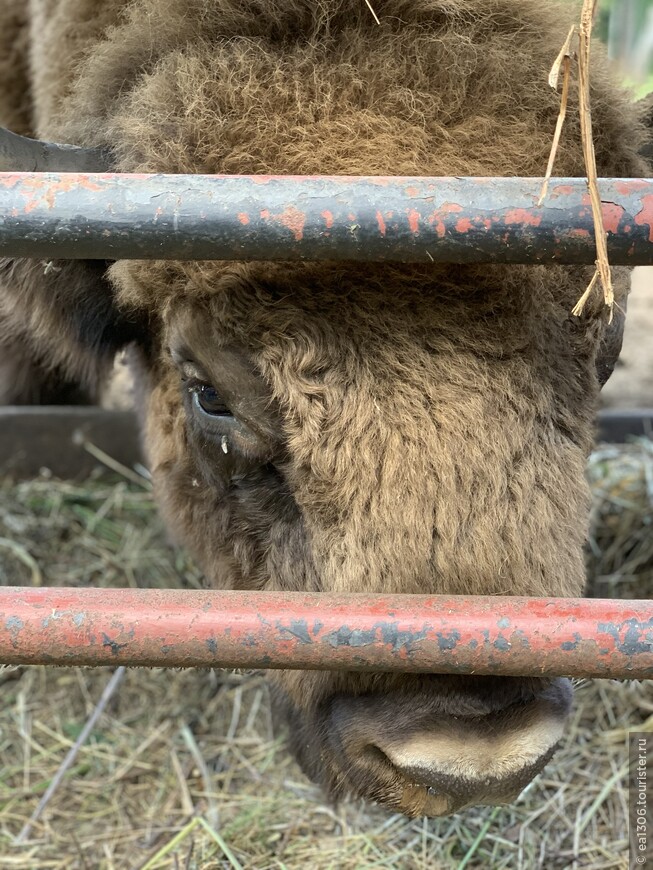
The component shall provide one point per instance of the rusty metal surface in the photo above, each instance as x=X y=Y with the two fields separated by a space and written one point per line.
x=464 y=220
x=460 y=635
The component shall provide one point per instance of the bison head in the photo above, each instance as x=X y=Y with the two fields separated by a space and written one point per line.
x=378 y=428
x=334 y=428
x=337 y=428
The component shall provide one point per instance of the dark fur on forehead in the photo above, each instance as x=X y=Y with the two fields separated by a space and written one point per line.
x=441 y=87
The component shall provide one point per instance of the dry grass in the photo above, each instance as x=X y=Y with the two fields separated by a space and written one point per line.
x=184 y=769
x=620 y=558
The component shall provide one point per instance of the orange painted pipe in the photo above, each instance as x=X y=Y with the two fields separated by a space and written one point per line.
x=419 y=633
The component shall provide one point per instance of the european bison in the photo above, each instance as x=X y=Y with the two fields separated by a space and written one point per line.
x=336 y=427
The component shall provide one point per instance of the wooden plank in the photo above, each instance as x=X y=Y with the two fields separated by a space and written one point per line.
x=52 y=437
x=33 y=438
x=616 y=427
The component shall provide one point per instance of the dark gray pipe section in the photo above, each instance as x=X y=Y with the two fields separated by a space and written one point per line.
x=195 y=217
x=20 y=154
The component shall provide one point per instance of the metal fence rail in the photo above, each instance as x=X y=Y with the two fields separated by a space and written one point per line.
x=459 y=635
x=463 y=220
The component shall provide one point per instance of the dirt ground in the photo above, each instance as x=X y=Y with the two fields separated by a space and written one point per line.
x=631 y=385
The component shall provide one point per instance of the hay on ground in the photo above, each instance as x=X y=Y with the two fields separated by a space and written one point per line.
x=620 y=548
x=184 y=769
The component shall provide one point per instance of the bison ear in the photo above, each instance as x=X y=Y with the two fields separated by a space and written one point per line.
x=65 y=315
x=610 y=347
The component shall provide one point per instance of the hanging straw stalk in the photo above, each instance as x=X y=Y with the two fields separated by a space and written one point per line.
x=562 y=65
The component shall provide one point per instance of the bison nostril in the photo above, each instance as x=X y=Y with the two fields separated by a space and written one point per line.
x=374 y=754
x=469 y=772
x=425 y=760
x=439 y=793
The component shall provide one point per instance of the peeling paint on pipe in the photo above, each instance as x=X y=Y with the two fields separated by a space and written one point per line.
x=457 y=635
x=261 y=217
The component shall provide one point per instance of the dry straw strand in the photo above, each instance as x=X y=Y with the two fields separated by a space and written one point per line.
x=602 y=263
x=110 y=688
x=21 y=553
x=563 y=64
x=371 y=8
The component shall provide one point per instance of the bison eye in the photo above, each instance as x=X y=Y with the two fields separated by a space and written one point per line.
x=209 y=401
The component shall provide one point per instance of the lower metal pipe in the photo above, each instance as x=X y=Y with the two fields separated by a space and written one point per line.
x=440 y=634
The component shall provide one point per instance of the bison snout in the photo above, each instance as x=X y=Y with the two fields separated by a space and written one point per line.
x=424 y=763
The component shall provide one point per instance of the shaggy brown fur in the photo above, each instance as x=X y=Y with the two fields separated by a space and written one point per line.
x=408 y=429
x=15 y=105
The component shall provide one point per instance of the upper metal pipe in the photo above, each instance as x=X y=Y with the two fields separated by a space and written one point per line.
x=212 y=217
